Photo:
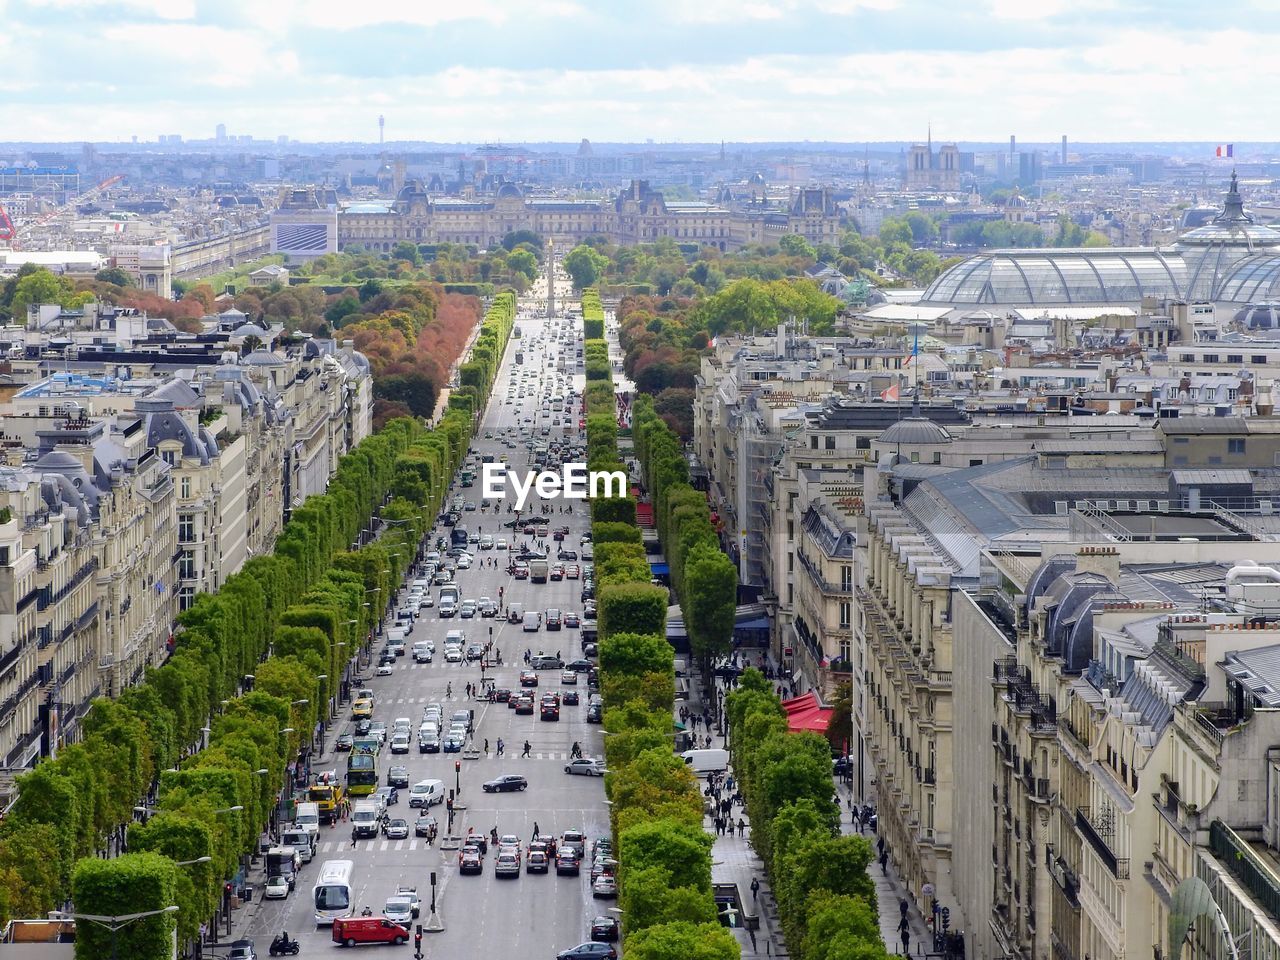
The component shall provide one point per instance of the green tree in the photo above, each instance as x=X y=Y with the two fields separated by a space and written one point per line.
x=709 y=603
x=527 y=237
x=30 y=878
x=115 y=276
x=842 y=928
x=681 y=847
x=585 y=265
x=406 y=250
x=650 y=898
x=688 y=941
x=523 y=261
x=794 y=245
x=40 y=286
x=132 y=883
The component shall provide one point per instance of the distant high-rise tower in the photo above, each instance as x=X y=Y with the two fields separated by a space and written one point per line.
x=1064 y=149
x=220 y=133
x=382 y=124
x=1013 y=151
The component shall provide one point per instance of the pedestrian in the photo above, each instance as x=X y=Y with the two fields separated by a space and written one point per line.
x=755 y=889
x=486 y=746
x=501 y=746
x=742 y=827
x=527 y=747
x=536 y=832
x=902 y=910
x=884 y=864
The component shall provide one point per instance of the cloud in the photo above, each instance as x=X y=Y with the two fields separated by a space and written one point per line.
x=543 y=70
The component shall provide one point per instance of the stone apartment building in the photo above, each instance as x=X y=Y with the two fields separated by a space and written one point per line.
x=130 y=492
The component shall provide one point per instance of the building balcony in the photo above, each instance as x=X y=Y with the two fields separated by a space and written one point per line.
x=1238 y=857
x=1098 y=834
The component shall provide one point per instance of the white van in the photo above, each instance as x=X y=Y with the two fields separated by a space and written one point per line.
x=365 y=820
x=301 y=842
x=426 y=793
x=308 y=818
x=707 y=761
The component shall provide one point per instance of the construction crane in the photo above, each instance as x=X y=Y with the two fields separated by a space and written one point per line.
x=13 y=235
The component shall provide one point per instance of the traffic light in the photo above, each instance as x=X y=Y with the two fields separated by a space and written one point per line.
x=946 y=918
x=457 y=766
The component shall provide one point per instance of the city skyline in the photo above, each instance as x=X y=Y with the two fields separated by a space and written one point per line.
x=556 y=70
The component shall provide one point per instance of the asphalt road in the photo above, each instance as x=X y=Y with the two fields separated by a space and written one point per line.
x=533 y=916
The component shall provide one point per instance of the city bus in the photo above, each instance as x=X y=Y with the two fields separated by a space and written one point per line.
x=458 y=537
x=332 y=892
x=362 y=774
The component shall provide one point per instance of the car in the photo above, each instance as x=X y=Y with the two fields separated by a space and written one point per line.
x=453 y=654
x=474 y=652
x=571 y=621
x=605 y=887
x=398 y=776
x=501 y=694
x=363 y=726
x=500 y=544
x=585 y=766
x=486 y=542
x=470 y=860
x=576 y=841
x=520 y=571
x=422 y=826
x=378 y=729
x=528 y=678
x=344 y=742
x=242 y=950
x=595 y=713
x=277 y=888
x=537 y=862
x=429 y=743
x=487 y=607
x=571 y=698
x=396 y=829
x=440 y=579
x=507 y=863
x=453 y=743
x=604 y=930
x=400 y=743
x=467 y=610
x=390 y=794
x=569 y=677
x=509 y=840
x=572 y=572
x=567 y=863
x=550 y=710
x=524 y=705
x=581 y=665
x=508 y=783
x=557 y=572
x=567 y=555
x=553 y=619
x=386 y=669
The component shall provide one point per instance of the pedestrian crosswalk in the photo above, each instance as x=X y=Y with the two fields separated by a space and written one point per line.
x=345 y=846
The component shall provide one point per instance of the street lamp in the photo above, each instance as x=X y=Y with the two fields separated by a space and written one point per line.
x=299 y=703
x=187 y=863
x=116 y=924
x=287 y=730
x=236 y=809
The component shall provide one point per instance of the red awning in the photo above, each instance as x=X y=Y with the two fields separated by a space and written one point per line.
x=805 y=713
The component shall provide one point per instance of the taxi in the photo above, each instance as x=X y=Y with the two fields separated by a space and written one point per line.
x=362 y=708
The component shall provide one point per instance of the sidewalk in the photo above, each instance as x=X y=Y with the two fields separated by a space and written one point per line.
x=735 y=861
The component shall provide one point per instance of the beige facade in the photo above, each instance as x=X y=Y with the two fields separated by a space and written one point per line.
x=638 y=214
x=139 y=498
x=905 y=630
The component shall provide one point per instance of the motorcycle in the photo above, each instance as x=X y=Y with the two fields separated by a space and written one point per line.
x=282 y=948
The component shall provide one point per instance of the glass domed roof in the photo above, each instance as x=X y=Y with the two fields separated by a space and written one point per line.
x=1062 y=276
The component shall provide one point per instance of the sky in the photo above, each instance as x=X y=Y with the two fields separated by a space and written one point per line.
x=630 y=70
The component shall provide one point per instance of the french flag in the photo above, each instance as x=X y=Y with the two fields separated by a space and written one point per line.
x=1225 y=150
